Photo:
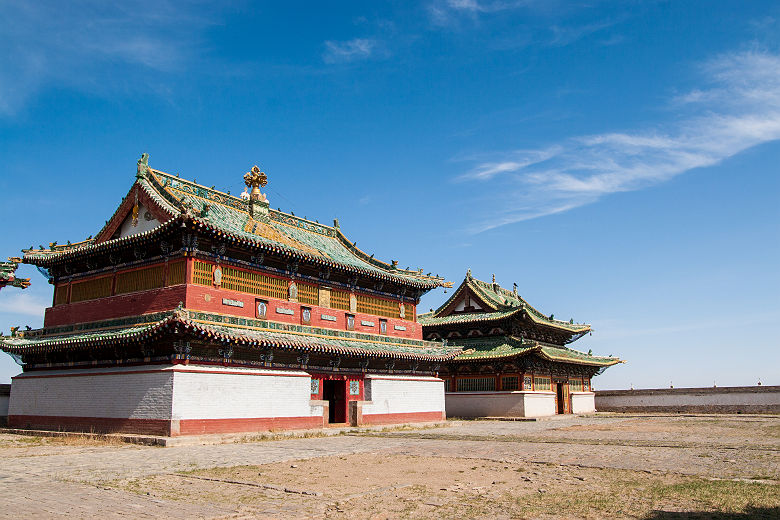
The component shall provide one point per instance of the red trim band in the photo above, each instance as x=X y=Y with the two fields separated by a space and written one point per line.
x=400 y=418
x=173 y=369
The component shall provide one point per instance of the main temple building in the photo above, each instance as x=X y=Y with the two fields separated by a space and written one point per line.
x=193 y=311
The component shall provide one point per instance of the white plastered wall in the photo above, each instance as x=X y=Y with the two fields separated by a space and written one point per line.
x=3 y=405
x=141 y=225
x=500 y=404
x=710 y=400
x=122 y=392
x=233 y=393
x=583 y=402
x=539 y=404
x=388 y=394
x=485 y=404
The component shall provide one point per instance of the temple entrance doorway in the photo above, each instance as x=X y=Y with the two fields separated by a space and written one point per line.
x=335 y=392
x=560 y=398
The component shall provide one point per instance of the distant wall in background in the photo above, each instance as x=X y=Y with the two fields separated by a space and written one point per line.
x=5 y=393
x=734 y=399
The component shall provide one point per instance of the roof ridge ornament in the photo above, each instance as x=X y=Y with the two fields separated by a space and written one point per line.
x=143 y=166
x=256 y=179
x=258 y=203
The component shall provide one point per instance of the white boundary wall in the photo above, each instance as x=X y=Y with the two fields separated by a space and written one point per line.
x=500 y=404
x=5 y=392
x=735 y=399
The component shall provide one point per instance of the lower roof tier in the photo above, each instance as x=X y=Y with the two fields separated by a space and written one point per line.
x=227 y=330
x=502 y=347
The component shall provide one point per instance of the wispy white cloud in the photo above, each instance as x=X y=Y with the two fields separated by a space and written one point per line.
x=738 y=108
x=21 y=303
x=96 y=46
x=563 y=35
x=513 y=161
x=348 y=51
x=445 y=13
x=542 y=22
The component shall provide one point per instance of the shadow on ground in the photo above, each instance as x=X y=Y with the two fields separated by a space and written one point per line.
x=759 y=513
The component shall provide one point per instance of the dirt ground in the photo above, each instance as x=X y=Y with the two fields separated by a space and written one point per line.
x=607 y=466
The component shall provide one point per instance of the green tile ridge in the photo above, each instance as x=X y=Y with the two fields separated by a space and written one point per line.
x=492 y=347
x=283 y=335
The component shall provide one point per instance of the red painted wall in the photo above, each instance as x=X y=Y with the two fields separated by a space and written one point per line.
x=131 y=304
x=197 y=299
x=210 y=299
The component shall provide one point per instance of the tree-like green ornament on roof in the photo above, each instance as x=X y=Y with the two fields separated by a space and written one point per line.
x=8 y=274
x=143 y=166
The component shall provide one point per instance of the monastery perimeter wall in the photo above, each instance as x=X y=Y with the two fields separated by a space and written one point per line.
x=735 y=399
x=5 y=393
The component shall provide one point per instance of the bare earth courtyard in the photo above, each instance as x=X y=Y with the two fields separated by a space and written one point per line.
x=603 y=466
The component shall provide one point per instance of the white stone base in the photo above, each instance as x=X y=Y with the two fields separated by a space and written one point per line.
x=164 y=400
x=392 y=399
x=583 y=402
x=500 y=404
x=181 y=399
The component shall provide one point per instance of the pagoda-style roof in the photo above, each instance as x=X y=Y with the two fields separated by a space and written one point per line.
x=496 y=303
x=216 y=328
x=173 y=201
x=504 y=347
x=8 y=274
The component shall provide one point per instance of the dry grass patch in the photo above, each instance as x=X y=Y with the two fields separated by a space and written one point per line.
x=28 y=441
x=377 y=485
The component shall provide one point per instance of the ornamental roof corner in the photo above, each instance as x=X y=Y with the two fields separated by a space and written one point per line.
x=8 y=274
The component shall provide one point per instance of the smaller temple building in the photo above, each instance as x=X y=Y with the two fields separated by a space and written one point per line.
x=515 y=360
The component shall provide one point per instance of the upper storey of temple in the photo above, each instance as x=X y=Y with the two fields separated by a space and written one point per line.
x=480 y=308
x=159 y=202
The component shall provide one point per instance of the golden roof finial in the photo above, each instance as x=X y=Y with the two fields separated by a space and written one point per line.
x=255 y=179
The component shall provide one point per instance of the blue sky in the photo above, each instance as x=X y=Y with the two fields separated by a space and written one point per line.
x=618 y=160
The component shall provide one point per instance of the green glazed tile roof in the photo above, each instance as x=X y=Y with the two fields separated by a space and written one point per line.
x=228 y=216
x=495 y=347
x=247 y=332
x=470 y=317
x=8 y=275
x=501 y=303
